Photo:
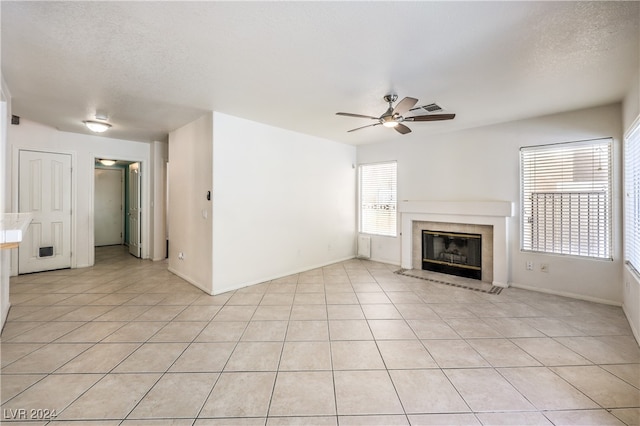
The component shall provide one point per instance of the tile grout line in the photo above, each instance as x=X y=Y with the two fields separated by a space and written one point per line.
x=512 y=314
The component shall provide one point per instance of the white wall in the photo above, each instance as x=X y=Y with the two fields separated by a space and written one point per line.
x=482 y=164
x=84 y=149
x=631 y=104
x=283 y=202
x=5 y=255
x=160 y=156
x=190 y=177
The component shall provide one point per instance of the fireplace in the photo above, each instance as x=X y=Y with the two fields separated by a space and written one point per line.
x=452 y=253
x=491 y=219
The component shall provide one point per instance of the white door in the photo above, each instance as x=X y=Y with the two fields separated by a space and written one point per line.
x=134 y=209
x=108 y=207
x=44 y=182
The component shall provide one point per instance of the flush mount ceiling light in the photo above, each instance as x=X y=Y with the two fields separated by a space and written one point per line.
x=97 y=126
x=100 y=124
x=107 y=162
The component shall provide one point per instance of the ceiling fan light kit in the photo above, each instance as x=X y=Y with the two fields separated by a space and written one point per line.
x=393 y=117
x=389 y=121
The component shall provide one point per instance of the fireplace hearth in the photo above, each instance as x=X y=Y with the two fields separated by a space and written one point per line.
x=452 y=253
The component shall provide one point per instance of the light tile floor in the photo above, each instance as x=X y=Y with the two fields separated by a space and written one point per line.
x=126 y=342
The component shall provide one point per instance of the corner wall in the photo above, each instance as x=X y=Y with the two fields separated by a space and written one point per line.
x=5 y=255
x=160 y=155
x=190 y=177
x=482 y=164
x=283 y=202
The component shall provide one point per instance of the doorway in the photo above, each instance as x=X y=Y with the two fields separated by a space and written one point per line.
x=109 y=206
x=117 y=202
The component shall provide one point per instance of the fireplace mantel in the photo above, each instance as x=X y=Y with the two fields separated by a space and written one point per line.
x=494 y=213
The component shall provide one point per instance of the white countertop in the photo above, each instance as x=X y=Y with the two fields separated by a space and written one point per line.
x=13 y=227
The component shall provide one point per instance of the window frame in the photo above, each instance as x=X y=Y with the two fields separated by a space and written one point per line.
x=361 y=221
x=631 y=194
x=560 y=170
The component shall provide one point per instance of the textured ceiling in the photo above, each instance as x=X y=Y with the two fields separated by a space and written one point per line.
x=155 y=66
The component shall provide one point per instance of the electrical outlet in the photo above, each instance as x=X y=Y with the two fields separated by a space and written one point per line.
x=544 y=267
x=529 y=266
x=181 y=256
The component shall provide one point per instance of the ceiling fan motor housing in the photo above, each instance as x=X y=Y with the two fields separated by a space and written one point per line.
x=390 y=98
x=388 y=119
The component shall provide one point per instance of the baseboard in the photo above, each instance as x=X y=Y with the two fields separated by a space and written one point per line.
x=634 y=329
x=279 y=275
x=499 y=284
x=567 y=294
x=5 y=315
x=385 y=261
x=189 y=280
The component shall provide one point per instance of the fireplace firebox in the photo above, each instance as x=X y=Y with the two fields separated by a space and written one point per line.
x=452 y=253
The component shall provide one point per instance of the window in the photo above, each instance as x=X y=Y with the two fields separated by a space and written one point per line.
x=378 y=198
x=632 y=197
x=566 y=198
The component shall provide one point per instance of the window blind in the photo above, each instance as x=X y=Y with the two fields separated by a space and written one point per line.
x=566 y=198
x=378 y=198
x=632 y=197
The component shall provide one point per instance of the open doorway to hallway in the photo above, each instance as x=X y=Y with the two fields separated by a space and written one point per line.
x=117 y=202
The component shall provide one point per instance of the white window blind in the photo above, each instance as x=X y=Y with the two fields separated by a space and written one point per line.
x=378 y=198
x=632 y=197
x=566 y=198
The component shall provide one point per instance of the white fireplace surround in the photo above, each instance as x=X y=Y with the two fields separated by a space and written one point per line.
x=494 y=213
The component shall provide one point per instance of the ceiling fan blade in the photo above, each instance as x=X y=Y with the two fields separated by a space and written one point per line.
x=348 y=114
x=430 y=117
x=401 y=128
x=405 y=105
x=358 y=128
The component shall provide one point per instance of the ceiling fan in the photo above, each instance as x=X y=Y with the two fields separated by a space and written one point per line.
x=393 y=117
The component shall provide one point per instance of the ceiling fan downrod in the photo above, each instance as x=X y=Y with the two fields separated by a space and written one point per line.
x=389 y=119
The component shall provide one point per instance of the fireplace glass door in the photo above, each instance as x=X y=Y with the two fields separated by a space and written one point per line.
x=452 y=253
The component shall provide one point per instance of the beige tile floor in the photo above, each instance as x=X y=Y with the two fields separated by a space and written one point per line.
x=126 y=342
